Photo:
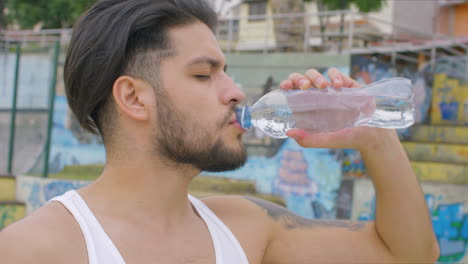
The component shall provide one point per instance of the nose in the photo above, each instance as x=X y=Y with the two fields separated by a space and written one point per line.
x=232 y=93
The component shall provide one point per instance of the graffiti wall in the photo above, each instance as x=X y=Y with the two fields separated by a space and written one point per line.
x=307 y=179
x=70 y=144
x=10 y=213
x=450 y=100
x=36 y=191
x=448 y=205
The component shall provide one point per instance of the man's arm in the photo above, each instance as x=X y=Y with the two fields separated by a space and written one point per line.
x=402 y=231
x=402 y=216
x=295 y=239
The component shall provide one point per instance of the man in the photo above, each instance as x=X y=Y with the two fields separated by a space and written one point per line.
x=149 y=76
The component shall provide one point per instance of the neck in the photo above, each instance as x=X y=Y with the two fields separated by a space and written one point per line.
x=144 y=188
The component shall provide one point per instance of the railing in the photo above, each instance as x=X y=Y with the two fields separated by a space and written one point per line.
x=42 y=37
x=302 y=32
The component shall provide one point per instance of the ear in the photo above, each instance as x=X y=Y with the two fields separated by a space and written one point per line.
x=132 y=97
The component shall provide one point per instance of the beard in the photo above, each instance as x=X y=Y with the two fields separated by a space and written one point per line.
x=182 y=140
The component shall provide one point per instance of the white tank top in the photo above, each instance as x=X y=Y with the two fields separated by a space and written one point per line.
x=101 y=250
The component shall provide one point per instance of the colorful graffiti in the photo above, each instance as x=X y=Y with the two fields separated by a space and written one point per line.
x=450 y=101
x=70 y=146
x=353 y=165
x=451 y=229
x=449 y=218
x=308 y=179
x=10 y=213
x=292 y=176
x=35 y=191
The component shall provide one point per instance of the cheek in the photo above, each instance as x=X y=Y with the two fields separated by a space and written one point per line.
x=201 y=105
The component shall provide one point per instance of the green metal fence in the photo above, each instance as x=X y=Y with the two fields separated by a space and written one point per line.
x=26 y=121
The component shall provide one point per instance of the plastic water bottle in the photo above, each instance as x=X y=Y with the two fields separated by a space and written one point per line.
x=386 y=104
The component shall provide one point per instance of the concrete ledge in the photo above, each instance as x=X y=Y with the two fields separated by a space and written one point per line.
x=440 y=134
x=7 y=188
x=437 y=152
x=7 y=176
x=440 y=172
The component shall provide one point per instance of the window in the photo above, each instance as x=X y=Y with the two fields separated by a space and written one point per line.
x=257 y=8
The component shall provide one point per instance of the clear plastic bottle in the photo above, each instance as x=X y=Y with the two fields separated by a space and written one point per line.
x=386 y=104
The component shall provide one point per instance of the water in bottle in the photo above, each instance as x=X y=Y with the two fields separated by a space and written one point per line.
x=386 y=104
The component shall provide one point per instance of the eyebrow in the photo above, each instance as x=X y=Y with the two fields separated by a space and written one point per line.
x=207 y=60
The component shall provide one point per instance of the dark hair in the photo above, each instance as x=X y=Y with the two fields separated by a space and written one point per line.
x=117 y=37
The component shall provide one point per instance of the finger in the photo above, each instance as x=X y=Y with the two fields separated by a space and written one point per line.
x=286 y=85
x=338 y=139
x=348 y=82
x=317 y=79
x=300 y=81
x=336 y=77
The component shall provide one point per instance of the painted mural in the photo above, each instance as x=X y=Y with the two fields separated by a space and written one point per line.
x=448 y=205
x=353 y=165
x=70 y=144
x=36 y=191
x=10 y=213
x=307 y=179
x=450 y=100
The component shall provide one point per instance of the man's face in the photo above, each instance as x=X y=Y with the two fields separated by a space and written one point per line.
x=195 y=120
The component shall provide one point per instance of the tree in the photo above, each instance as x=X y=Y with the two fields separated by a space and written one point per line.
x=364 y=6
x=51 y=13
x=2 y=16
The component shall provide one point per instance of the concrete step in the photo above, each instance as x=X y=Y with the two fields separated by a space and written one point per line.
x=437 y=152
x=441 y=172
x=7 y=188
x=11 y=211
x=439 y=134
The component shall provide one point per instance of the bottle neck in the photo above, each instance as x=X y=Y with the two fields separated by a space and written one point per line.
x=244 y=117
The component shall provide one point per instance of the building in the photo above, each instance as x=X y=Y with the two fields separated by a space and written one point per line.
x=295 y=26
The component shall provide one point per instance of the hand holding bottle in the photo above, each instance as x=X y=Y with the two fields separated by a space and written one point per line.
x=360 y=137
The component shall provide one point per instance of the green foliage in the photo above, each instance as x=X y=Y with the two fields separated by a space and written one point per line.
x=363 y=5
x=2 y=17
x=52 y=13
x=369 y=5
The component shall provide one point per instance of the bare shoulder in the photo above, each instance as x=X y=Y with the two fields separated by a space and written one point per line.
x=237 y=207
x=49 y=235
x=247 y=221
x=247 y=212
x=250 y=206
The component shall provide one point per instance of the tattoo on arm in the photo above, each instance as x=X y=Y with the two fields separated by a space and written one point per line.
x=293 y=221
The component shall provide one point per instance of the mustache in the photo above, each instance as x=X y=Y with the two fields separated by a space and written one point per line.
x=227 y=118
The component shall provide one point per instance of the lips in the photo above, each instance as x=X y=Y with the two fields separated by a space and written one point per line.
x=233 y=120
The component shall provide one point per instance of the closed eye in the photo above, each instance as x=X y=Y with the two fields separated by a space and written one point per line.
x=202 y=77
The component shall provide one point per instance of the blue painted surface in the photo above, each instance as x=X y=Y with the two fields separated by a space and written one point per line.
x=65 y=148
x=35 y=191
x=308 y=179
x=450 y=226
